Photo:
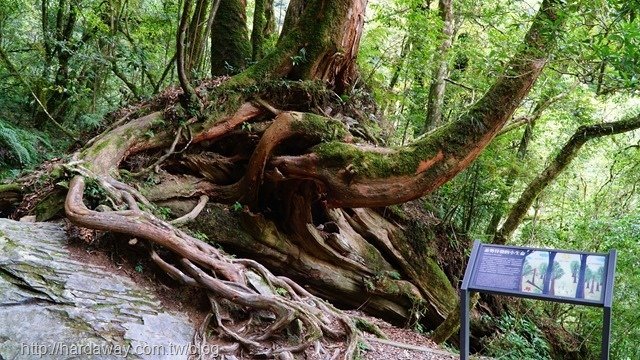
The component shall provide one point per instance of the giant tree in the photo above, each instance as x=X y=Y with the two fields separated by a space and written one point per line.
x=306 y=189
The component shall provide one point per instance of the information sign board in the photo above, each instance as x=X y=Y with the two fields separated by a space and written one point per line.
x=565 y=276
x=548 y=274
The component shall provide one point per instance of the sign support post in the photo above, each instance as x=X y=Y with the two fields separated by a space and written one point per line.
x=608 y=299
x=566 y=276
x=464 y=303
x=464 y=327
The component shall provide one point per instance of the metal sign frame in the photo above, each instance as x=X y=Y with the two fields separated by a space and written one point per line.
x=471 y=274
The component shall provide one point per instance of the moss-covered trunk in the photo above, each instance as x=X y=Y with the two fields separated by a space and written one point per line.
x=230 y=47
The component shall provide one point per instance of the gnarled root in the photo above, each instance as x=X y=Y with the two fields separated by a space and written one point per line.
x=242 y=282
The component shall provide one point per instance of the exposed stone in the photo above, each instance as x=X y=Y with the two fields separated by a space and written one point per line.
x=54 y=307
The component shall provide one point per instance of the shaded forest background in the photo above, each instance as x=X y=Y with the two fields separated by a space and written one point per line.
x=67 y=66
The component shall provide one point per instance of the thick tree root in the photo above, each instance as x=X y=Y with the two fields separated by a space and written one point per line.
x=224 y=278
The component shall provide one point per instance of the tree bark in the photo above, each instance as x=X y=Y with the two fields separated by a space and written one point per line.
x=230 y=47
x=436 y=90
x=560 y=162
x=319 y=40
x=263 y=27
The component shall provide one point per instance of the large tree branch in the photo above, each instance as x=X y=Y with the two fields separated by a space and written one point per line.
x=559 y=163
x=360 y=177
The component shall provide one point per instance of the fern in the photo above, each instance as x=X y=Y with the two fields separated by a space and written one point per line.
x=19 y=147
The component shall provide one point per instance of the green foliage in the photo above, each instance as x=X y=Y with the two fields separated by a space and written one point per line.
x=299 y=58
x=281 y=291
x=200 y=236
x=19 y=147
x=361 y=349
x=163 y=212
x=236 y=206
x=518 y=338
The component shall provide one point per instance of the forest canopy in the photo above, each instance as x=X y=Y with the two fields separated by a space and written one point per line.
x=300 y=157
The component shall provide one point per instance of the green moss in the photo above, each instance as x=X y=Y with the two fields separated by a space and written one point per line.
x=50 y=206
x=365 y=325
x=421 y=237
x=366 y=163
x=229 y=35
x=10 y=187
x=440 y=285
x=325 y=128
x=96 y=148
x=8 y=245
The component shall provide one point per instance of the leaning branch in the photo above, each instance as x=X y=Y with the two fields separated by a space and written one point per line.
x=559 y=163
x=360 y=177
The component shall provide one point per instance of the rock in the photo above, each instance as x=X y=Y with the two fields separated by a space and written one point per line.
x=54 y=307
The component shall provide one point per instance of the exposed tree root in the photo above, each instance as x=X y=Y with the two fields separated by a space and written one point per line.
x=244 y=283
x=225 y=278
x=202 y=202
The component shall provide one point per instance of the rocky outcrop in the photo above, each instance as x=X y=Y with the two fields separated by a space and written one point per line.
x=55 y=307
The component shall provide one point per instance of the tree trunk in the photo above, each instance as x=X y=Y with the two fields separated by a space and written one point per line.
x=356 y=176
x=319 y=40
x=230 y=47
x=263 y=27
x=555 y=168
x=441 y=59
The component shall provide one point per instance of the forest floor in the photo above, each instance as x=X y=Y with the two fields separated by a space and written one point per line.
x=401 y=343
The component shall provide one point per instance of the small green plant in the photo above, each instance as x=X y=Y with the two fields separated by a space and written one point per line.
x=139 y=268
x=300 y=58
x=368 y=284
x=200 y=236
x=518 y=338
x=394 y=275
x=163 y=212
x=281 y=291
x=417 y=327
x=247 y=127
x=94 y=191
x=236 y=206
x=361 y=349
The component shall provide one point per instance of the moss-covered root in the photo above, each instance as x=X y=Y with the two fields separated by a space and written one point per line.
x=367 y=326
x=452 y=323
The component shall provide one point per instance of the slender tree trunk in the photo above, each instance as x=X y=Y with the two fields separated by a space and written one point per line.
x=197 y=28
x=530 y=122
x=436 y=90
x=189 y=98
x=555 y=168
x=263 y=27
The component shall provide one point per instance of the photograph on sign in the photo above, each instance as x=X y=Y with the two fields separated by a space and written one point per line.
x=541 y=272
x=567 y=277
